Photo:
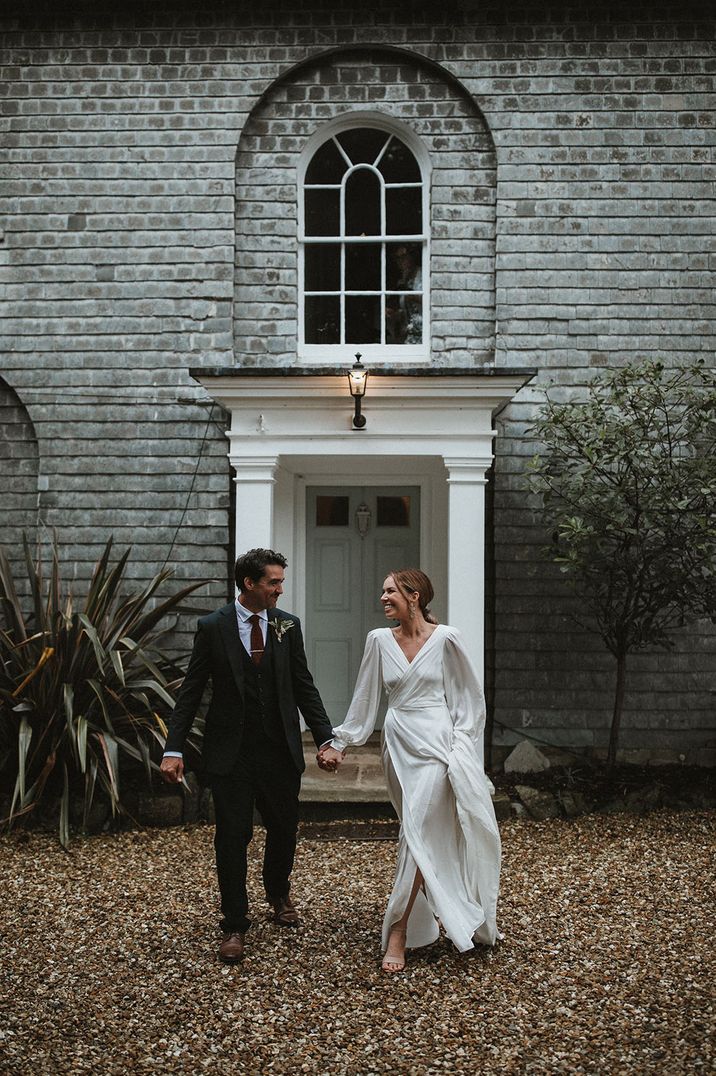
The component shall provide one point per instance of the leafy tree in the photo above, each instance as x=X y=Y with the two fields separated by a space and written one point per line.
x=81 y=683
x=628 y=479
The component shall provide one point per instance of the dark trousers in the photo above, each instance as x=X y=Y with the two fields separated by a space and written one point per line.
x=266 y=777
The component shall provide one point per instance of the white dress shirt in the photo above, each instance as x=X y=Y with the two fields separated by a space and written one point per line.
x=242 y=615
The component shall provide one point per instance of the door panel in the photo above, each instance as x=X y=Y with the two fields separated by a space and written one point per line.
x=345 y=568
x=333 y=564
x=331 y=666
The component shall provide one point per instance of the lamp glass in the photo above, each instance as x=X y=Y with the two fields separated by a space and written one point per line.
x=357 y=378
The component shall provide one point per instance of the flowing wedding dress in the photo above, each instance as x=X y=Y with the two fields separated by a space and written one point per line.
x=433 y=761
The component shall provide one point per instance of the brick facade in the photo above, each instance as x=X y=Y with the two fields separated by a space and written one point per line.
x=19 y=477
x=149 y=202
x=462 y=202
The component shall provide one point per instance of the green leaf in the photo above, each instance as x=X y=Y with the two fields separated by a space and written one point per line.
x=24 y=738
x=90 y=631
x=68 y=697
x=97 y=688
x=111 y=758
x=118 y=667
x=90 y=780
x=157 y=688
x=82 y=730
x=65 y=810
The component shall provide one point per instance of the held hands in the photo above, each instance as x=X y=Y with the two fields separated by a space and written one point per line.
x=329 y=759
x=172 y=769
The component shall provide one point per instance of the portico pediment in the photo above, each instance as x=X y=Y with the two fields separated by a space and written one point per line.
x=429 y=427
x=433 y=412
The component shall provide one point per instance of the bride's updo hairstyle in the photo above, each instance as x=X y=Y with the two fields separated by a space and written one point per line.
x=410 y=580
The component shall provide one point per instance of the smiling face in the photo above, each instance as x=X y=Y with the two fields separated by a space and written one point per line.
x=265 y=593
x=395 y=605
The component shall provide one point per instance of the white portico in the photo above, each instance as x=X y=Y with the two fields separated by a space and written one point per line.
x=429 y=431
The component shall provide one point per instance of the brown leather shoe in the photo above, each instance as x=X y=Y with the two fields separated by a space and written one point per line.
x=284 y=912
x=231 y=950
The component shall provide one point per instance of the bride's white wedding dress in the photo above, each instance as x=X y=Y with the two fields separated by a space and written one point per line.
x=433 y=761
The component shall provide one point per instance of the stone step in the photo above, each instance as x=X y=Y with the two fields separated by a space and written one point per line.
x=359 y=780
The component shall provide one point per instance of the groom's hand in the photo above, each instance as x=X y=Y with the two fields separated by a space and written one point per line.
x=172 y=769
x=329 y=759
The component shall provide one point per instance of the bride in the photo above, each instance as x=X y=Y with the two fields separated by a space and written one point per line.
x=448 y=865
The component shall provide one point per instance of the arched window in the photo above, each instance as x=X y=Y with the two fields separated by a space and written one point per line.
x=363 y=237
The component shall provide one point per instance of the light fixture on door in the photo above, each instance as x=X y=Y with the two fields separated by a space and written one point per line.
x=357 y=381
x=363 y=517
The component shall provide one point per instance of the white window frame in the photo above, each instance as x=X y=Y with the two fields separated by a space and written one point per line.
x=389 y=353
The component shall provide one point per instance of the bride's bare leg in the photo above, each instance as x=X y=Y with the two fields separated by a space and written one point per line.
x=394 y=959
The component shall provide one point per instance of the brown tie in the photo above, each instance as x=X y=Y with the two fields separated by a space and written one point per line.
x=257 y=640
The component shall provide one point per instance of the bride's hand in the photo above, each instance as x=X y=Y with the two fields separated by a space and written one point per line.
x=329 y=759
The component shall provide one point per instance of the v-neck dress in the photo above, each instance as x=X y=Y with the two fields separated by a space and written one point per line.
x=432 y=755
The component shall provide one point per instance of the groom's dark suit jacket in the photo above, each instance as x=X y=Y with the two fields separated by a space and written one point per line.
x=217 y=657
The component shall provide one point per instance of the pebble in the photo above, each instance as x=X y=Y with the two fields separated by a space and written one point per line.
x=109 y=959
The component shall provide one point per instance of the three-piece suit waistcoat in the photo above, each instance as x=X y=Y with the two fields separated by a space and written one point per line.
x=262 y=712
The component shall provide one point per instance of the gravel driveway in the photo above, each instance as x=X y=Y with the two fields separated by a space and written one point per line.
x=109 y=959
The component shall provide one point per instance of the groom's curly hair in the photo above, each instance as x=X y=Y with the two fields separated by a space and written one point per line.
x=253 y=564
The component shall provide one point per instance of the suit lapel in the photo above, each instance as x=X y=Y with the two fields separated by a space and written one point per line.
x=232 y=641
x=278 y=649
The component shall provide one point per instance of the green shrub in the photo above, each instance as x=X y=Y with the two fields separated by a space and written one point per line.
x=81 y=683
x=628 y=479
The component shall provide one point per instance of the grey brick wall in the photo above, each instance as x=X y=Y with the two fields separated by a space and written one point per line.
x=19 y=480
x=462 y=199
x=126 y=257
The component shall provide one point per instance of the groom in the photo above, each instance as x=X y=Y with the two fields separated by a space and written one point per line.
x=252 y=753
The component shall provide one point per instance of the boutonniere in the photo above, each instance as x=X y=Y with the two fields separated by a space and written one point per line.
x=281 y=627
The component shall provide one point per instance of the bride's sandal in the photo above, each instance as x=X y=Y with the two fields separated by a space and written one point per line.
x=394 y=959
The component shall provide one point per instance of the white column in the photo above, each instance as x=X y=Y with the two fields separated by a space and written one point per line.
x=466 y=552
x=255 y=479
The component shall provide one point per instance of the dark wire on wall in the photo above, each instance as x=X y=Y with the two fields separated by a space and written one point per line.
x=185 y=509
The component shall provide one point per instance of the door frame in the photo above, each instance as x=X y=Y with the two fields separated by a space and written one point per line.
x=432 y=535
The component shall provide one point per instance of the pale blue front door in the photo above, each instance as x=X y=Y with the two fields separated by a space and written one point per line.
x=355 y=536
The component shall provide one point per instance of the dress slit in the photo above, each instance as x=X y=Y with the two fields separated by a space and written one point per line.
x=422 y=924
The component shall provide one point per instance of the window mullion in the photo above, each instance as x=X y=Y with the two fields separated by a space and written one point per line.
x=383 y=286
x=378 y=159
x=408 y=237
x=383 y=276
x=342 y=152
x=342 y=226
x=343 y=293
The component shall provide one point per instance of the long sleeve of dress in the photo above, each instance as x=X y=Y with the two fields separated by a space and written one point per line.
x=363 y=710
x=470 y=784
x=463 y=692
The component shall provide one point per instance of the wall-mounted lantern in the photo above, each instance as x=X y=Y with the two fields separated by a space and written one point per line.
x=357 y=381
x=363 y=517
